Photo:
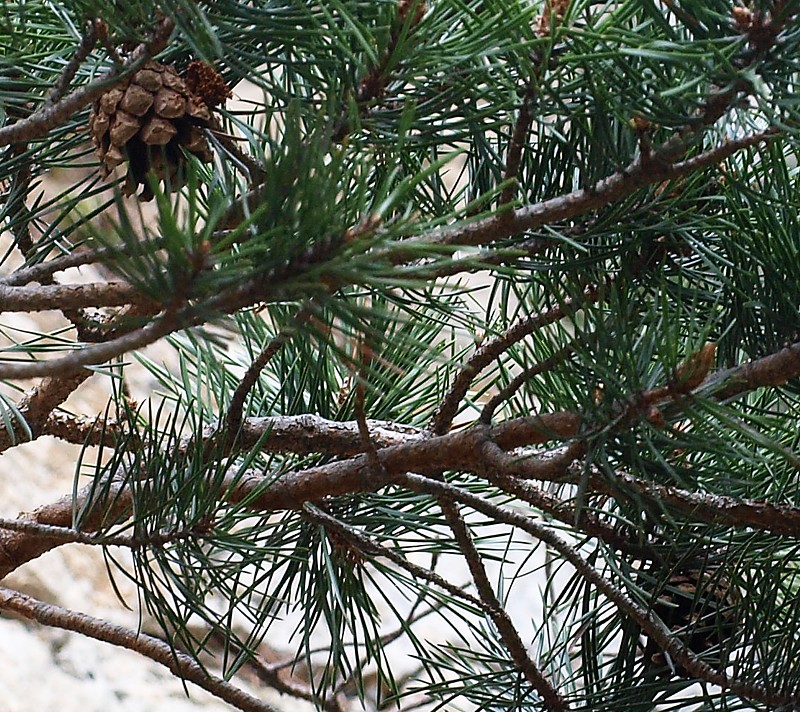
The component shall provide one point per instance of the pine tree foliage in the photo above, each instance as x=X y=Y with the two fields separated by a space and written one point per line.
x=484 y=312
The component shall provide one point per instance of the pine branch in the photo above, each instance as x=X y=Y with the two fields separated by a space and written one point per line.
x=35 y=408
x=339 y=190
x=178 y=663
x=462 y=450
x=72 y=296
x=492 y=350
x=645 y=619
x=643 y=171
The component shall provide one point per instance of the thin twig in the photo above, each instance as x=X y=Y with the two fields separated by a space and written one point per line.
x=368 y=546
x=522 y=126
x=270 y=674
x=62 y=84
x=102 y=506
x=19 y=214
x=365 y=356
x=502 y=621
x=518 y=141
x=98 y=353
x=543 y=366
x=372 y=86
x=179 y=664
x=86 y=256
x=68 y=535
x=584 y=520
x=233 y=418
x=255 y=169
x=492 y=350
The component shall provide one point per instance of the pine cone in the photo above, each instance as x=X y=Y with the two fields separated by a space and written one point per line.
x=700 y=607
x=148 y=121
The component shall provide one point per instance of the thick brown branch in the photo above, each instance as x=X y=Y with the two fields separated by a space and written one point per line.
x=459 y=451
x=717 y=508
x=37 y=405
x=82 y=430
x=98 y=353
x=639 y=174
x=71 y=296
x=506 y=471
x=179 y=664
x=307 y=434
x=168 y=322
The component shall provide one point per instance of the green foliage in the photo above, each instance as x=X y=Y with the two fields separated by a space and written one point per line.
x=374 y=136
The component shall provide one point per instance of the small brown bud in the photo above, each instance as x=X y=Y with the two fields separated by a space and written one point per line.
x=367 y=226
x=640 y=124
x=693 y=371
x=742 y=18
x=101 y=29
x=655 y=417
x=552 y=9
x=404 y=8
x=206 y=83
